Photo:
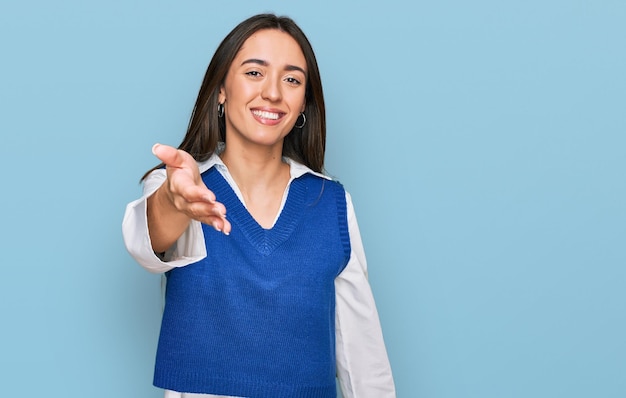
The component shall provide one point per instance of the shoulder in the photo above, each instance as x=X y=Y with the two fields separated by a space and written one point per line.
x=324 y=182
x=298 y=170
x=304 y=174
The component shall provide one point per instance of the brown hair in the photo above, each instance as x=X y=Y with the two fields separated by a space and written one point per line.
x=306 y=145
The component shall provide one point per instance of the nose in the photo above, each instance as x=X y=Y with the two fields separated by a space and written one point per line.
x=271 y=89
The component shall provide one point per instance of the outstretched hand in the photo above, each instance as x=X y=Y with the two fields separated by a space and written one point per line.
x=186 y=191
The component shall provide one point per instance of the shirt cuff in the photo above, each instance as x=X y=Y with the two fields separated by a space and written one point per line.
x=188 y=249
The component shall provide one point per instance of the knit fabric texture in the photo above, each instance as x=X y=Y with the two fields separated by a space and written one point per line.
x=256 y=317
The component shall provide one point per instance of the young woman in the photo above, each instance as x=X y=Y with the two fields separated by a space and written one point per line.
x=267 y=292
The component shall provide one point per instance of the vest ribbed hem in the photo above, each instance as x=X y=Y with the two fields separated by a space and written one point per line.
x=201 y=384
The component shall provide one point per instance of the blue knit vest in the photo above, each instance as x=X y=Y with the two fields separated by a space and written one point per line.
x=256 y=317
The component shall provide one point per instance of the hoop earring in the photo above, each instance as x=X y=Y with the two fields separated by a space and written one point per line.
x=303 y=121
x=220 y=110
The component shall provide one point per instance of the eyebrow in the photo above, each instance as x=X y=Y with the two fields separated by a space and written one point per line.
x=265 y=63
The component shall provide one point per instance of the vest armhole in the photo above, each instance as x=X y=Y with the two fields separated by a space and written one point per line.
x=342 y=219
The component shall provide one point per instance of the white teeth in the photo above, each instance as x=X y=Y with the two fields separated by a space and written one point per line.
x=266 y=115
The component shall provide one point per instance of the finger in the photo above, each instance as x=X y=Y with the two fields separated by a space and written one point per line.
x=170 y=156
x=226 y=227
x=202 y=210
x=184 y=186
x=220 y=224
x=210 y=214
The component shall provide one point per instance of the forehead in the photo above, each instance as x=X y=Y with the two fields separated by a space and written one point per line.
x=273 y=46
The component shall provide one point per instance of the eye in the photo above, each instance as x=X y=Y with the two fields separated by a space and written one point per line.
x=254 y=73
x=293 y=80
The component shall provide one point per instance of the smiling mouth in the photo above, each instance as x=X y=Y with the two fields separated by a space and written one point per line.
x=266 y=115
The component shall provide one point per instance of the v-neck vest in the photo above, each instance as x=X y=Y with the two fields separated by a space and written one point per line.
x=256 y=317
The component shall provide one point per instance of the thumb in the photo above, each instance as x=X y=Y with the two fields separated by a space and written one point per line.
x=170 y=156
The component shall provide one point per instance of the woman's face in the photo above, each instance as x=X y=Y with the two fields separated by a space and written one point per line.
x=263 y=93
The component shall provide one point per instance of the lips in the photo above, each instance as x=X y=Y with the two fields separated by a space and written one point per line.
x=270 y=117
x=266 y=114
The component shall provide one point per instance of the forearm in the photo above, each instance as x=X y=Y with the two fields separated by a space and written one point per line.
x=165 y=222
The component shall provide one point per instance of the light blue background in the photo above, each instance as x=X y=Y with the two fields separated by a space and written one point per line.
x=483 y=143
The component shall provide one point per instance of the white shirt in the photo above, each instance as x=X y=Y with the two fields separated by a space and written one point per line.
x=363 y=368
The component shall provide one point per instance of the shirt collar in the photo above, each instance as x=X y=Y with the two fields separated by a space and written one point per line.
x=295 y=169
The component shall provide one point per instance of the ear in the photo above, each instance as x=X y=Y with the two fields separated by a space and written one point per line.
x=303 y=107
x=221 y=98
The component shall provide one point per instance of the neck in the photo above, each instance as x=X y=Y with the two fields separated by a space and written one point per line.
x=253 y=166
x=262 y=177
x=256 y=169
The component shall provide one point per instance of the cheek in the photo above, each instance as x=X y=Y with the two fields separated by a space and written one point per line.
x=297 y=102
x=236 y=91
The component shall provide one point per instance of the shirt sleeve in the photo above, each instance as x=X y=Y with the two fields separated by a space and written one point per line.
x=188 y=249
x=363 y=367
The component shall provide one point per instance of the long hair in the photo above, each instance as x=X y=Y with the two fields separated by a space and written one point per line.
x=205 y=130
